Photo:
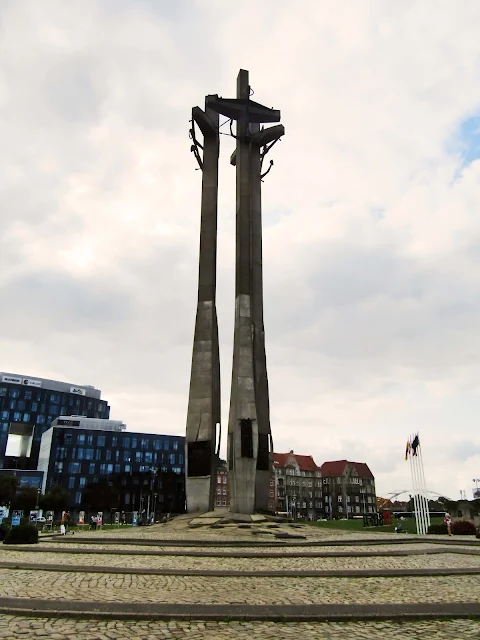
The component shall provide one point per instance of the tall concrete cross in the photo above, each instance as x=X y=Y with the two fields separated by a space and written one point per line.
x=249 y=434
x=204 y=399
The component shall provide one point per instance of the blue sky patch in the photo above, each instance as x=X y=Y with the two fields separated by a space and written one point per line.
x=468 y=139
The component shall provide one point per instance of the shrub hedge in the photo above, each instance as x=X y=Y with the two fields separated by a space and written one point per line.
x=438 y=529
x=463 y=528
x=23 y=534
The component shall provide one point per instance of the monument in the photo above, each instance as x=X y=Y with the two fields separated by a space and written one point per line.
x=249 y=446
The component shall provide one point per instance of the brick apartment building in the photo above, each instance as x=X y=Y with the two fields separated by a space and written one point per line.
x=348 y=489
x=297 y=485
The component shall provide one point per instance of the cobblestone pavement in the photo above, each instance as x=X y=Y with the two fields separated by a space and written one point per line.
x=235 y=590
x=440 y=561
x=64 y=629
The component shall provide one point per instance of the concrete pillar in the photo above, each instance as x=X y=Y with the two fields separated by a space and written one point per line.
x=204 y=397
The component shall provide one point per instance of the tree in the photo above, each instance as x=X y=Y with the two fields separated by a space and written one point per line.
x=384 y=503
x=100 y=496
x=25 y=499
x=54 y=500
x=8 y=489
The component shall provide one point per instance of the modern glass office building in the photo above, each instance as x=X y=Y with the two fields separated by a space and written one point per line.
x=28 y=405
x=104 y=467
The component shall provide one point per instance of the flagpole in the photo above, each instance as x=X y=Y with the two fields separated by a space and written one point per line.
x=424 y=484
x=415 y=495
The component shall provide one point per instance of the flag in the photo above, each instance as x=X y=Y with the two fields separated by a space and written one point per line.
x=407 y=449
x=415 y=444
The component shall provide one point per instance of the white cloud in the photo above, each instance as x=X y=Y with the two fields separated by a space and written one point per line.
x=371 y=228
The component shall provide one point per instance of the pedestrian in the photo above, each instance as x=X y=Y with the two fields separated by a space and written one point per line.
x=448 y=521
x=94 y=523
x=124 y=518
x=64 y=523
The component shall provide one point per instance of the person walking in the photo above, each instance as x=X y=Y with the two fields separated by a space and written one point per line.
x=448 y=521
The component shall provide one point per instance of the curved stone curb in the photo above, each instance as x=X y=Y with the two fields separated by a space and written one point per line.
x=218 y=573
x=246 y=554
x=273 y=613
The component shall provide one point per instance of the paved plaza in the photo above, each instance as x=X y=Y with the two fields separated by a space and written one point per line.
x=157 y=582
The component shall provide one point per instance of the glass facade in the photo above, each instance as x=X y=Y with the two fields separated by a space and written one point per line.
x=132 y=467
x=30 y=407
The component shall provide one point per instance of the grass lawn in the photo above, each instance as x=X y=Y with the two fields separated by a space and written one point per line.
x=408 y=525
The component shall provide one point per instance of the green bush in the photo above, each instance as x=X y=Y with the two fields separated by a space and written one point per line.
x=23 y=534
x=438 y=529
x=4 y=529
x=463 y=528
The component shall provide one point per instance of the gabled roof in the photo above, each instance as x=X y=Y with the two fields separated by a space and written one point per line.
x=337 y=467
x=305 y=463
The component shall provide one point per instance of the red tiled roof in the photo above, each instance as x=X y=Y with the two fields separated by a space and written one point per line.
x=306 y=463
x=337 y=467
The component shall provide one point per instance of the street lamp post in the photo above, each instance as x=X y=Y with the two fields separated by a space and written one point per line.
x=294 y=506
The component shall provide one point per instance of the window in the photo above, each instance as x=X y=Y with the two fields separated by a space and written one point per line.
x=71 y=483
x=5 y=415
x=82 y=482
x=219 y=479
x=138 y=456
x=68 y=438
x=175 y=445
x=108 y=454
x=78 y=497
x=339 y=498
x=128 y=468
x=157 y=445
x=326 y=480
x=117 y=468
x=100 y=441
x=91 y=468
x=109 y=468
x=171 y=458
x=224 y=503
x=114 y=441
x=40 y=419
x=103 y=469
x=148 y=457
x=166 y=444
x=90 y=440
x=271 y=493
x=14 y=393
x=219 y=491
x=354 y=480
x=126 y=498
x=58 y=467
x=88 y=454
x=144 y=443
x=126 y=456
x=21 y=405
x=181 y=458
x=74 y=467
x=134 y=443
x=17 y=416
x=126 y=443
x=224 y=479
x=34 y=406
x=3 y=391
x=98 y=454
x=224 y=491
x=81 y=438
x=80 y=453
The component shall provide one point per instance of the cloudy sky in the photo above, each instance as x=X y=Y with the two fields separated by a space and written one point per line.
x=371 y=214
